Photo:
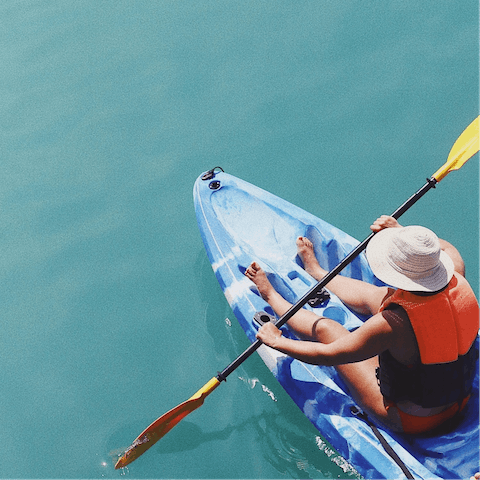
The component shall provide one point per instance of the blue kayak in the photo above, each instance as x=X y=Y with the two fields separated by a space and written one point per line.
x=240 y=223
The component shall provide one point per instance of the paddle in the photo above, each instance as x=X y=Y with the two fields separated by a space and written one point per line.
x=463 y=149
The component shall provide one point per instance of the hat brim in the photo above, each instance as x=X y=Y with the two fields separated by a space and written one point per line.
x=377 y=254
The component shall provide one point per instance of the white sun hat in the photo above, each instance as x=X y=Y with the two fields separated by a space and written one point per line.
x=409 y=258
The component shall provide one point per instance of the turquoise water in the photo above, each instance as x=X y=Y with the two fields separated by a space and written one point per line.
x=109 y=110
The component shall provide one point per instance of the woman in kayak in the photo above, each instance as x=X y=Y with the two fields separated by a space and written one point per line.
x=412 y=363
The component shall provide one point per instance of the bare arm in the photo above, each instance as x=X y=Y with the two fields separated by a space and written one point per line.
x=372 y=338
x=454 y=254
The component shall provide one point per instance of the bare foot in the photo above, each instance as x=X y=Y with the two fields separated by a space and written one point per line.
x=306 y=253
x=255 y=273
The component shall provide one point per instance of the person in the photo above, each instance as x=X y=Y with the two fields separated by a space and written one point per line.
x=411 y=364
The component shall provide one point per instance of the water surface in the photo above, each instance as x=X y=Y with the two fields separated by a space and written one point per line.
x=108 y=112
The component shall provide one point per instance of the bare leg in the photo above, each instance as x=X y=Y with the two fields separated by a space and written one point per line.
x=360 y=296
x=360 y=377
x=303 y=322
x=306 y=253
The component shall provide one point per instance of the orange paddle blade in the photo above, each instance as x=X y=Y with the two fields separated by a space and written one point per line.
x=160 y=427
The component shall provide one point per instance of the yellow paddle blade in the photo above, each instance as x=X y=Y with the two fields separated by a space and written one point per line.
x=466 y=146
x=160 y=427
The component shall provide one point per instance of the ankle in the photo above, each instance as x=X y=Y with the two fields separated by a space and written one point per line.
x=316 y=271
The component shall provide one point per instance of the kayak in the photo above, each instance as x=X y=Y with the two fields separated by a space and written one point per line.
x=240 y=223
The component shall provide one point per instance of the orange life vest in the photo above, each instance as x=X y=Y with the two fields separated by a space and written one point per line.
x=445 y=325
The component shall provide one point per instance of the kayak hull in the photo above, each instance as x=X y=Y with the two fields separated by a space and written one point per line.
x=240 y=223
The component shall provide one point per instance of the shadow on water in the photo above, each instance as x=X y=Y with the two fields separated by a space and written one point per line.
x=216 y=310
x=267 y=417
x=188 y=436
x=289 y=442
x=284 y=446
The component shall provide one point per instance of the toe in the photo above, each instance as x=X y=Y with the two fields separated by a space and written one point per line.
x=304 y=242
x=252 y=269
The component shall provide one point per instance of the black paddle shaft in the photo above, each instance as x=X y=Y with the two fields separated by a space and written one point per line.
x=431 y=182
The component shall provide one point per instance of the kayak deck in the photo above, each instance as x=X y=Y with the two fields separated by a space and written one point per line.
x=240 y=223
